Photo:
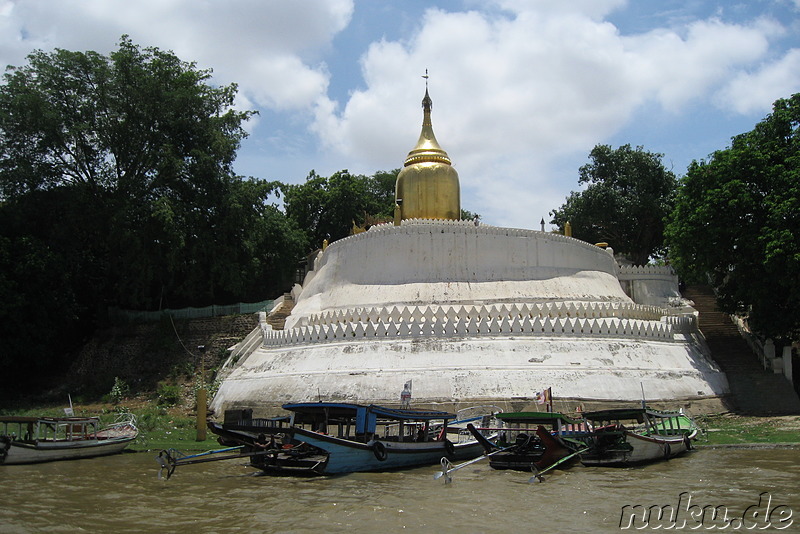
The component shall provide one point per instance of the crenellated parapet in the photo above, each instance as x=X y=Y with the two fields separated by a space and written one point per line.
x=416 y=226
x=651 y=284
x=578 y=319
x=647 y=272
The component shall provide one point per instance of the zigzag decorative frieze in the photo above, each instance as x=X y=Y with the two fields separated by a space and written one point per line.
x=583 y=319
x=443 y=313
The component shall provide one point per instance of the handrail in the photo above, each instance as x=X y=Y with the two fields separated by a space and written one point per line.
x=215 y=310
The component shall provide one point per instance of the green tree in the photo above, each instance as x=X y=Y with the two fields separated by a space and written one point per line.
x=116 y=189
x=736 y=221
x=628 y=196
x=327 y=208
x=381 y=189
x=467 y=215
x=144 y=146
x=136 y=122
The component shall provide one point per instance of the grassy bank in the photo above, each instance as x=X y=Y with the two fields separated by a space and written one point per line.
x=731 y=429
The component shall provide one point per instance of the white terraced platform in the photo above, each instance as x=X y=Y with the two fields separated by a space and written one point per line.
x=474 y=314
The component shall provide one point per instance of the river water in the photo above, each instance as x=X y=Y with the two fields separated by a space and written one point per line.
x=122 y=494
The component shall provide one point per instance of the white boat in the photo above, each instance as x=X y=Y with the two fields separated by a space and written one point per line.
x=622 y=437
x=26 y=440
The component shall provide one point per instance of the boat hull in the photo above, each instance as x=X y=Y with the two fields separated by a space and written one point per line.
x=20 y=452
x=347 y=456
x=534 y=454
x=638 y=449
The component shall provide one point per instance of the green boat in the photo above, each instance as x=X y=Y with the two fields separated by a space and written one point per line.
x=630 y=436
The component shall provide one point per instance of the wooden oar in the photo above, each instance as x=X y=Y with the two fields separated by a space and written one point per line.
x=444 y=472
x=538 y=475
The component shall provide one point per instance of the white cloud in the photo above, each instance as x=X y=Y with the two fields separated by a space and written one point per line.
x=751 y=93
x=514 y=94
x=595 y=9
x=271 y=48
x=677 y=70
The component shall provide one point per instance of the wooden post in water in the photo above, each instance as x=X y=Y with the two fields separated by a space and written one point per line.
x=201 y=398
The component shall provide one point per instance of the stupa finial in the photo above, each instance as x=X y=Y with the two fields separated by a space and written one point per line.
x=427 y=148
x=427 y=103
x=427 y=186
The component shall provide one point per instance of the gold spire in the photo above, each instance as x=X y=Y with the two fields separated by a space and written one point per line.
x=427 y=186
x=427 y=148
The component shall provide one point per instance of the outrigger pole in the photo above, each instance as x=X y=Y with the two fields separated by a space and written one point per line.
x=538 y=475
x=448 y=468
x=169 y=459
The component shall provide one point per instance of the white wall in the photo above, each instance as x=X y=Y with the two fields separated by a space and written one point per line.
x=424 y=262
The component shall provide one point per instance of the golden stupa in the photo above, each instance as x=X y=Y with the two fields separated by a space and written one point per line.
x=427 y=187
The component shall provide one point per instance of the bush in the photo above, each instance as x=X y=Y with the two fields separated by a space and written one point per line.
x=119 y=390
x=168 y=394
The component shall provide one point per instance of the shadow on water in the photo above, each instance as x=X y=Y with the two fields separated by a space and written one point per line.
x=122 y=494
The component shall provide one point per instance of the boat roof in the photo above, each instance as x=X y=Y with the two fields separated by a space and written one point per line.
x=32 y=419
x=535 y=417
x=343 y=409
x=628 y=413
x=17 y=419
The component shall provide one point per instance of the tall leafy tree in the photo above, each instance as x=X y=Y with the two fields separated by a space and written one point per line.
x=381 y=189
x=137 y=122
x=628 y=195
x=736 y=223
x=144 y=145
x=327 y=208
x=116 y=189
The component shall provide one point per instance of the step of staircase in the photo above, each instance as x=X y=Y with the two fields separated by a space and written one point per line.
x=754 y=390
x=278 y=319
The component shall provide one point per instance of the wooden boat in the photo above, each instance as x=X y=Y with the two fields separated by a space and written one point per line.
x=388 y=439
x=533 y=441
x=25 y=440
x=622 y=437
x=325 y=438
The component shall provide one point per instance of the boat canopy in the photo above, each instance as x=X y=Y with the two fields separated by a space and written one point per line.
x=17 y=419
x=339 y=409
x=26 y=428
x=365 y=417
x=536 y=418
x=638 y=414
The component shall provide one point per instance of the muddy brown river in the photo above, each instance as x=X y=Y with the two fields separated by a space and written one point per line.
x=745 y=489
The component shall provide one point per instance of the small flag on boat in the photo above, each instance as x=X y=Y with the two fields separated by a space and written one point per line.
x=545 y=397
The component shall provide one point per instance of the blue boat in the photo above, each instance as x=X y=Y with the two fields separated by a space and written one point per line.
x=375 y=438
x=327 y=438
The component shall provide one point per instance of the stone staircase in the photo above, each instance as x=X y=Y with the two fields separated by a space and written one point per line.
x=754 y=391
x=278 y=319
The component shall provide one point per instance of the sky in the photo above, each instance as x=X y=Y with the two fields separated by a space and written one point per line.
x=522 y=89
